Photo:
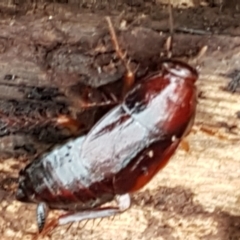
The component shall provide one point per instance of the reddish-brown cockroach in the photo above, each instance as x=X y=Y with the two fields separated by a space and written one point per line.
x=120 y=154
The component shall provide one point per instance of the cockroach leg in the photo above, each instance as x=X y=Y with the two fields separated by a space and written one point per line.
x=123 y=201
x=100 y=220
x=42 y=213
x=70 y=225
x=129 y=78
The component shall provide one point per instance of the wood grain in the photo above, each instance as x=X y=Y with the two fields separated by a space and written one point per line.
x=197 y=195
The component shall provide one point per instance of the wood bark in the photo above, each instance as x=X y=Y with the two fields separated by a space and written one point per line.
x=48 y=56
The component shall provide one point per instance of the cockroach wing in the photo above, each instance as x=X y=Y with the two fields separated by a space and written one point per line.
x=112 y=143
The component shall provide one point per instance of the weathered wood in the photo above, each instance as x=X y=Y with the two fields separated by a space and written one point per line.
x=51 y=55
x=46 y=57
x=21 y=4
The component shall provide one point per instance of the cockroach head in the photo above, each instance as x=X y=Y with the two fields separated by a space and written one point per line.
x=180 y=69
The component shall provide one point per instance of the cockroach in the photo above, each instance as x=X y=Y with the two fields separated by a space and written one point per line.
x=120 y=154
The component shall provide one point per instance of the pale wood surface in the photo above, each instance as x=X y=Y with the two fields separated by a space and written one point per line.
x=196 y=196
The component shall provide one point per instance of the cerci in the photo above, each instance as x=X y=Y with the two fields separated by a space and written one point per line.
x=120 y=154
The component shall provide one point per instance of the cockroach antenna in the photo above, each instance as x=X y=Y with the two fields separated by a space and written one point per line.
x=129 y=78
x=171 y=29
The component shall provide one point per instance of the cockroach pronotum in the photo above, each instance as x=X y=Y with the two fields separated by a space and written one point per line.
x=120 y=154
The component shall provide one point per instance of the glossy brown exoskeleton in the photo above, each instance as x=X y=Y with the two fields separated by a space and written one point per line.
x=120 y=154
